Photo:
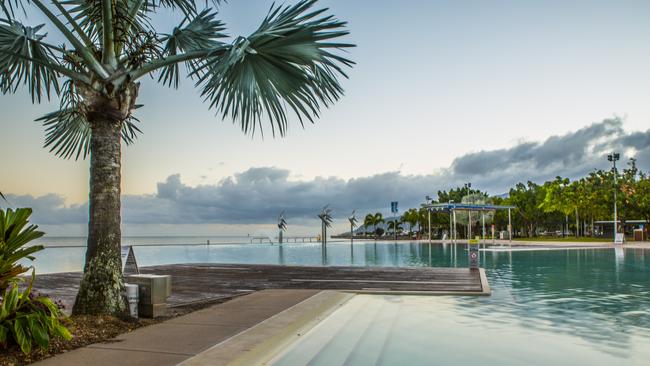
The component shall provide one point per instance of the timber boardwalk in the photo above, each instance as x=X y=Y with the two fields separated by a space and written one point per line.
x=193 y=283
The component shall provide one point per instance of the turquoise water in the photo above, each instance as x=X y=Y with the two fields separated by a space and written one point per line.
x=563 y=307
x=569 y=307
x=65 y=258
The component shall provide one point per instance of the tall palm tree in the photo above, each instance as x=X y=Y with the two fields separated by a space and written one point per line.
x=411 y=217
x=291 y=62
x=369 y=220
x=395 y=226
x=378 y=218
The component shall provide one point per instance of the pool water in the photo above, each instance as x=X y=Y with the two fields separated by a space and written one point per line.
x=557 y=307
x=68 y=259
x=568 y=307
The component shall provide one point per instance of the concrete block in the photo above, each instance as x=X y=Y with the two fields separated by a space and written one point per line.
x=152 y=310
x=153 y=289
x=153 y=292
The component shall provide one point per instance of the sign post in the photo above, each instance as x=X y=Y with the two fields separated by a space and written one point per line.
x=129 y=264
x=473 y=253
x=619 y=239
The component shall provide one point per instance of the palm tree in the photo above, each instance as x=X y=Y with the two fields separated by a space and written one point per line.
x=411 y=217
x=325 y=217
x=395 y=225
x=378 y=218
x=353 y=223
x=369 y=220
x=290 y=62
x=282 y=226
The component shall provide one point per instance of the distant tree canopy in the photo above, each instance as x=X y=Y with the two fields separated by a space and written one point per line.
x=559 y=205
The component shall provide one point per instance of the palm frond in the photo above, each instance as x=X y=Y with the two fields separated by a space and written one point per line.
x=67 y=133
x=9 y=7
x=288 y=60
x=202 y=32
x=25 y=59
x=188 y=7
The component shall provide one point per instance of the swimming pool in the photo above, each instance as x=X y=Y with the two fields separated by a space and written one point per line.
x=69 y=259
x=560 y=307
x=570 y=307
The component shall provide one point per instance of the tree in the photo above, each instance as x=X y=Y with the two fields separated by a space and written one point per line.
x=642 y=196
x=290 y=62
x=411 y=217
x=368 y=221
x=527 y=198
x=395 y=226
x=378 y=218
x=558 y=197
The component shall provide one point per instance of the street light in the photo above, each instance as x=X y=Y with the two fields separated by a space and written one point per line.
x=613 y=157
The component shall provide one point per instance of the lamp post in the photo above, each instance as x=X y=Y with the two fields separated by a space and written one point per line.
x=613 y=157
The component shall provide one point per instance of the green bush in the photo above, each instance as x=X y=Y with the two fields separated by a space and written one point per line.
x=25 y=319
x=29 y=320
x=14 y=235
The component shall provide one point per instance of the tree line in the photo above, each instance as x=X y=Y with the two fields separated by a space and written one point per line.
x=556 y=207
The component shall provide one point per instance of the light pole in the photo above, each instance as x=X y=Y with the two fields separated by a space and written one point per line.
x=613 y=157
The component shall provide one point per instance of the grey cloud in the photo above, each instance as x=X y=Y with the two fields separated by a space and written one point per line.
x=257 y=195
x=50 y=209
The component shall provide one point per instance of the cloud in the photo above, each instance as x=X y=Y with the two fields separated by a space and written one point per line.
x=257 y=195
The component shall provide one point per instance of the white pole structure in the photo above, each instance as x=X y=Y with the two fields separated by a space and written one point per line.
x=450 y=226
x=453 y=213
x=429 y=214
x=509 y=226
x=469 y=226
x=483 y=221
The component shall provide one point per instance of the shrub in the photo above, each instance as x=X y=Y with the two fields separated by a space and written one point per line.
x=29 y=320
x=14 y=235
x=25 y=318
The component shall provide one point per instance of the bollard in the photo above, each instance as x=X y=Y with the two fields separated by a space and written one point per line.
x=132 y=298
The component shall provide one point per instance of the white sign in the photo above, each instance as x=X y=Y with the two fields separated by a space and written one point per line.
x=619 y=238
x=129 y=264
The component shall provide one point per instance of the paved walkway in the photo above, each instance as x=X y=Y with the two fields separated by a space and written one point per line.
x=184 y=337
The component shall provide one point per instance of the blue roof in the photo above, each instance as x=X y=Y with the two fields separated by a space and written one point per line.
x=465 y=207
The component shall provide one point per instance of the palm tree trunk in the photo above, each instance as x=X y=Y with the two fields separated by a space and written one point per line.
x=101 y=290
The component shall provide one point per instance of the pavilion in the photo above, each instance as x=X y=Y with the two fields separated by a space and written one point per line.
x=452 y=207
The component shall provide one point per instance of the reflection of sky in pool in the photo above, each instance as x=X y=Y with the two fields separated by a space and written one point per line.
x=548 y=307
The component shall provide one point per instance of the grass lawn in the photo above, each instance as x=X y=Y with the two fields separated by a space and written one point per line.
x=566 y=239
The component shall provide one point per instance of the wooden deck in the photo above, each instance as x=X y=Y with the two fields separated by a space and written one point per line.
x=202 y=282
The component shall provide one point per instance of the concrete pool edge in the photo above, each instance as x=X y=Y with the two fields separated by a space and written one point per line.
x=264 y=342
x=260 y=343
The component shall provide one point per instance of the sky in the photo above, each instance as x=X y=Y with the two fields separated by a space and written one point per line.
x=443 y=92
